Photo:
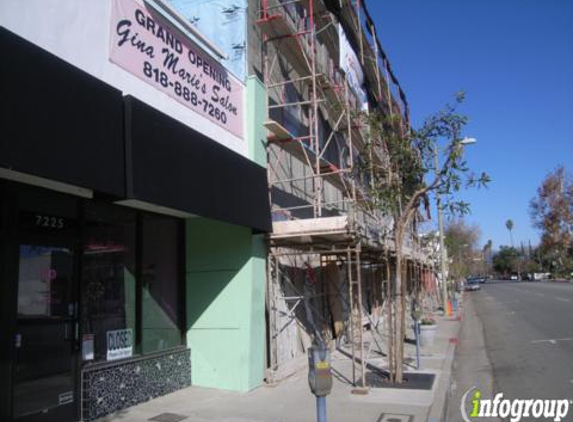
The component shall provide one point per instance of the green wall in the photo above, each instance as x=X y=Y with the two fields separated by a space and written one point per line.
x=226 y=277
x=225 y=305
x=256 y=115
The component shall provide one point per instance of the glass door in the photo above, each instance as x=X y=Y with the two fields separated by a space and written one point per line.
x=46 y=335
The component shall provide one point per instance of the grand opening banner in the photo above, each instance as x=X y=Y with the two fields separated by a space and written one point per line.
x=145 y=45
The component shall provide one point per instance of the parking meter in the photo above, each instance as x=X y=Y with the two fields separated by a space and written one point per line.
x=319 y=375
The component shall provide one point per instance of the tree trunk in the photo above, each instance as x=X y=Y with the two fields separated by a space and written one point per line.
x=403 y=296
x=398 y=306
x=390 y=306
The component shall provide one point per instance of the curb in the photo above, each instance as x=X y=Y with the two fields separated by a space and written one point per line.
x=557 y=280
x=439 y=407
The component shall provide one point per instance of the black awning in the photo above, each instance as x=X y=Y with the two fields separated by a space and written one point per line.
x=57 y=121
x=60 y=123
x=175 y=166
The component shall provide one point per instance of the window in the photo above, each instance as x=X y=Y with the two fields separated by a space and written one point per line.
x=44 y=279
x=108 y=277
x=161 y=277
x=129 y=256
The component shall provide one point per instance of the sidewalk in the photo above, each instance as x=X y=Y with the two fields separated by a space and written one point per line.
x=291 y=400
x=472 y=367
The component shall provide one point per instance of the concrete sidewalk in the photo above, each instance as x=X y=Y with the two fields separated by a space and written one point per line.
x=291 y=400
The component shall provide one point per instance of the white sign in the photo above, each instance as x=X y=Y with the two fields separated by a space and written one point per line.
x=351 y=65
x=119 y=344
x=88 y=347
x=66 y=398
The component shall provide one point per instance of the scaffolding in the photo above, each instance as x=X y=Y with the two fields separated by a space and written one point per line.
x=328 y=240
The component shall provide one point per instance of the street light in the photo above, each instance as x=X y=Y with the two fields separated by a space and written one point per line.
x=463 y=142
x=468 y=141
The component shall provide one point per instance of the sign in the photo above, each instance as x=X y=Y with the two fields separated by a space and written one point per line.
x=147 y=46
x=88 y=347
x=119 y=344
x=50 y=222
x=351 y=66
x=66 y=398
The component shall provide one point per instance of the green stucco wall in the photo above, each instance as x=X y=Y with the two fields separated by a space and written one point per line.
x=226 y=276
x=225 y=305
x=256 y=115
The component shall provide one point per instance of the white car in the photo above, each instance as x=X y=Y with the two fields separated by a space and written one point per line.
x=473 y=284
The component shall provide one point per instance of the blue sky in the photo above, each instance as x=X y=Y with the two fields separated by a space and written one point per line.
x=514 y=60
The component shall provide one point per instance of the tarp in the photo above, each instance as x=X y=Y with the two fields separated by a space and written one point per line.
x=336 y=297
x=350 y=64
x=224 y=23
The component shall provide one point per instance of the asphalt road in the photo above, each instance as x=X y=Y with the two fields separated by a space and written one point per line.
x=516 y=339
x=528 y=331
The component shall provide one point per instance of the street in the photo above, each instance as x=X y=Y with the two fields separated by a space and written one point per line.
x=528 y=339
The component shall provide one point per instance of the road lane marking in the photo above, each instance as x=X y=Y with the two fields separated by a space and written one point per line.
x=562 y=299
x=552 y=340
x=540 y=294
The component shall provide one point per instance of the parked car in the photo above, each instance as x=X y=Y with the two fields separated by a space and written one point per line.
x=472 y=284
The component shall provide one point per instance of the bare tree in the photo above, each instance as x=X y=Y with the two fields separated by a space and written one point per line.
x=551 y=212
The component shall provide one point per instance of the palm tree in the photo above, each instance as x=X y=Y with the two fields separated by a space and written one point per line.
x=509 y=225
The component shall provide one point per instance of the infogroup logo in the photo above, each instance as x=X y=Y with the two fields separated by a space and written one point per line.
x=516 y=409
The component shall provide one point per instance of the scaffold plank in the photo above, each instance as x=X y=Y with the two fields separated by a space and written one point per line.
x=279 y=131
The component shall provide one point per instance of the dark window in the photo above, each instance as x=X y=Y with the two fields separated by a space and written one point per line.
x=108 y=276
x=44 y=278
x=160 y=273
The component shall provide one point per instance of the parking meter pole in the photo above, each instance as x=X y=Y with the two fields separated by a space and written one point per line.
x=417 y=330
x=319 y=377
x=321 y=409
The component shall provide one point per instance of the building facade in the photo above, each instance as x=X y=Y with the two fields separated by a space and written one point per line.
x=133 y=204
x=183 y=198
x=331 y=256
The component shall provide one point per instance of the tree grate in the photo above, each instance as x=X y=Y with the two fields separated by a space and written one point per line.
x=391 y=417
x=412 y=381
x=168 y=417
